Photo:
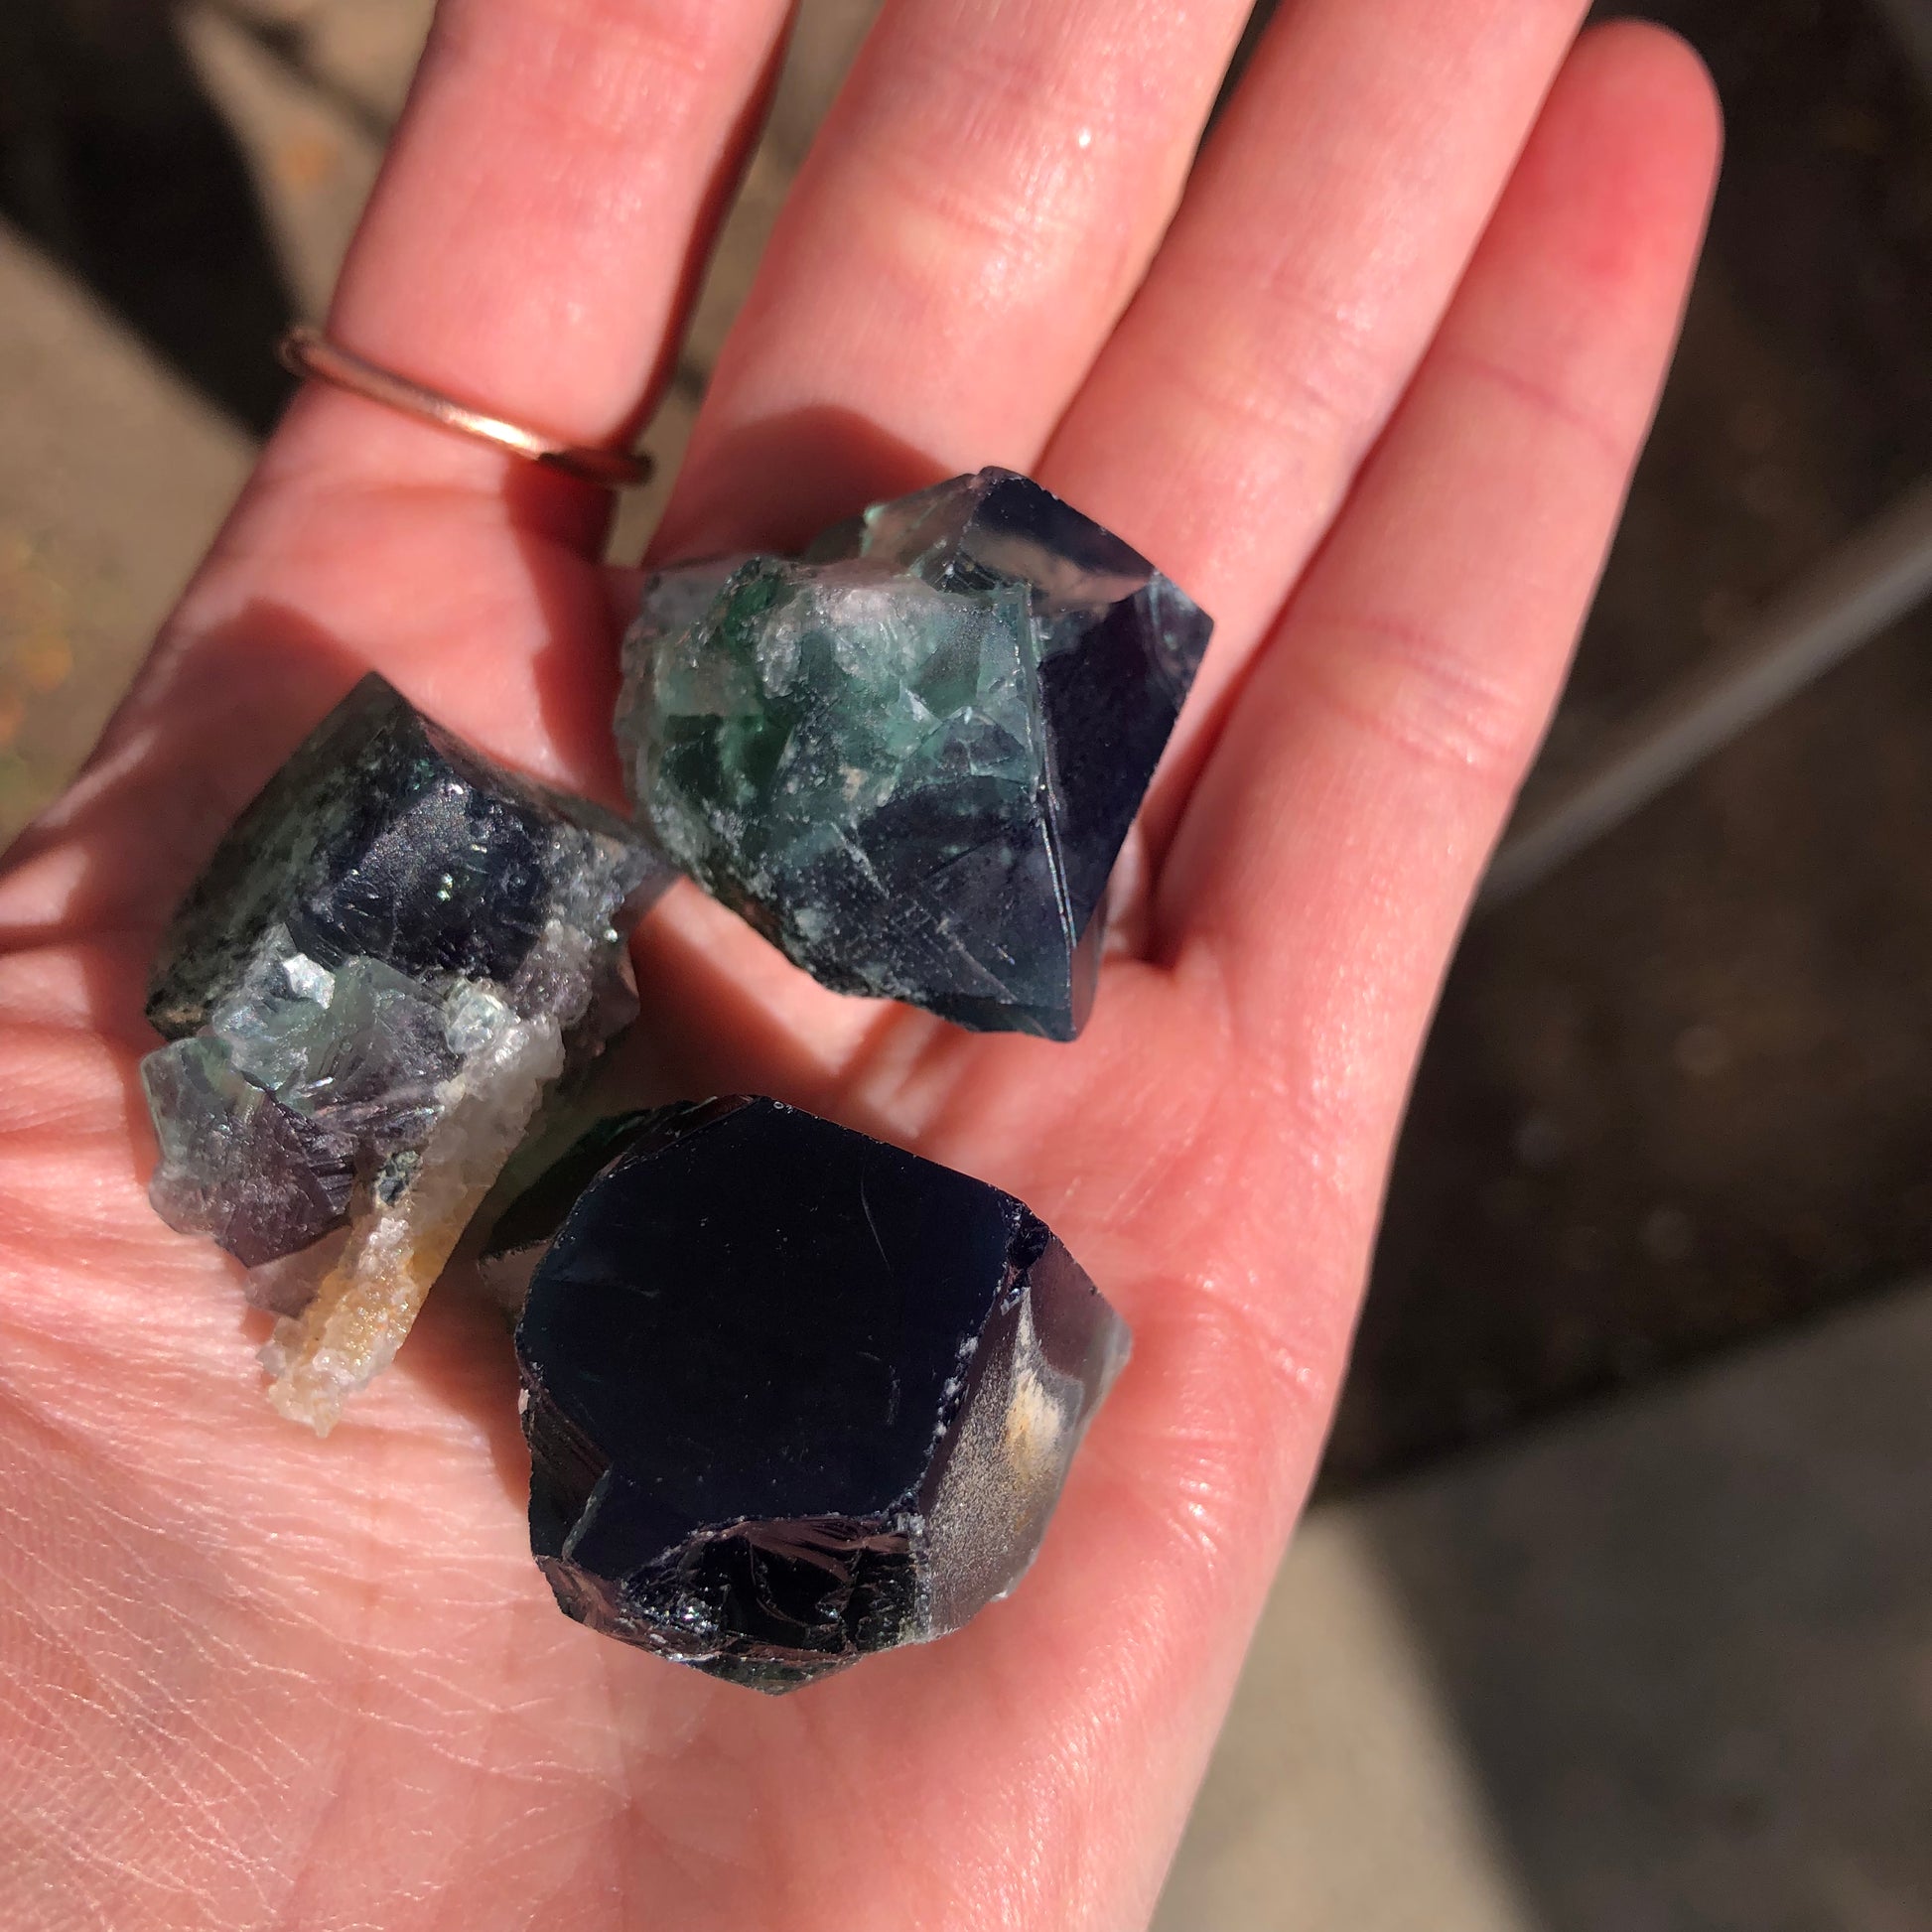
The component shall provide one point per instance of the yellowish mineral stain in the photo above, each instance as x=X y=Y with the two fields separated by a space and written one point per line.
x=352 y=1329
x=368 y=1300
x=1036 y=1422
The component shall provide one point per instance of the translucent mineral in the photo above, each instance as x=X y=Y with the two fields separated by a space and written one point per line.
x=396 y=950
x=791 y=1395
x=910 y=759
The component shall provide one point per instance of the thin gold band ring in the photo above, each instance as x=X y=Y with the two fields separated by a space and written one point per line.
x=306 y=351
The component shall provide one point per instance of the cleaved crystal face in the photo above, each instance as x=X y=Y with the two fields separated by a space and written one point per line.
x=912 y=758
x=391 y=956
x=793 y=1395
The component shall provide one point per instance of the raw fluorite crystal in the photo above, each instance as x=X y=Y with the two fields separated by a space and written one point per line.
x=910 y=759
x=791 y=1395
x=393 y=953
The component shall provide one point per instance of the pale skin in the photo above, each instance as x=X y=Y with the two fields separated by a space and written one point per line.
x=1369 y=384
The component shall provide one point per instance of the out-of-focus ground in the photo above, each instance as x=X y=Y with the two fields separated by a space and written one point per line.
x=1662 y=1660
x=1663 y=1665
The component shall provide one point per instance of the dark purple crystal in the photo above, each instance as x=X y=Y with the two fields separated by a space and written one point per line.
x=793 y=1394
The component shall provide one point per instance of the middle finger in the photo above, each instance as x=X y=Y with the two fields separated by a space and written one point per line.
x=974 y=217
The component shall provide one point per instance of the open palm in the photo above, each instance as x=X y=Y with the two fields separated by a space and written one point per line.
x=1368 y=382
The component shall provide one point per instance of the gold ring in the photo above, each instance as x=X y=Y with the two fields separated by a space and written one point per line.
x=308 y=351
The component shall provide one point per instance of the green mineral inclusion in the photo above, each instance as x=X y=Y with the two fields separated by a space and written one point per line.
x=909 y=758
x=801 y=685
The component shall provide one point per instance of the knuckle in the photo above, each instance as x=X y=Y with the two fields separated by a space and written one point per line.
x=1425 y=693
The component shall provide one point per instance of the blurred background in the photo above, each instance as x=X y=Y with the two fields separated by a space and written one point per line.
x=1616 y=1606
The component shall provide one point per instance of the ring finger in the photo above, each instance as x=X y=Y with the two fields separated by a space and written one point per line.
x=553 y=184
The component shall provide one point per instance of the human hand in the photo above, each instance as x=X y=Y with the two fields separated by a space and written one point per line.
x=1372 y=398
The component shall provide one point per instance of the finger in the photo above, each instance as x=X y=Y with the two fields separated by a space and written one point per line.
x=554 y=177
x=1315 y=885
x=1334 y=212
x=1331 y=848
x=974 y=215
x=550 y=190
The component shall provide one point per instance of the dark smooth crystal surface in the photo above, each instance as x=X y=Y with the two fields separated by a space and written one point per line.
x=910 y=759
x=392 y=954
x=791 y=1395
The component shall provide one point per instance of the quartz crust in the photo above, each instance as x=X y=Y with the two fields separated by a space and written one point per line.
x=910 y=759
x=393 y=954
x=791 y=1395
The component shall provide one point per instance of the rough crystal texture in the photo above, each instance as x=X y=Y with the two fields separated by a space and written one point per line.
x=392 y=954
x=910 y=759
x=791 y=1395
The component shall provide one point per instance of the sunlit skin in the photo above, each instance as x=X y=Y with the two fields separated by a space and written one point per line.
x=1369 y=382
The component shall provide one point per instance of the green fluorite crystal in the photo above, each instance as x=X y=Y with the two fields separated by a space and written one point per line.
x=910 y=759
x=390 y=958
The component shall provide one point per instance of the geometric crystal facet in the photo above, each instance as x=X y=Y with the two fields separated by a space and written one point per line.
x=910 y=759
x=793 y=1395
x=391 y=956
